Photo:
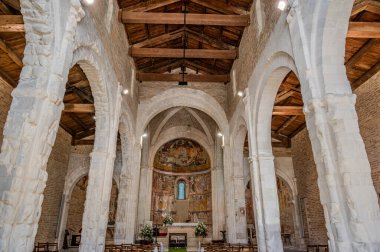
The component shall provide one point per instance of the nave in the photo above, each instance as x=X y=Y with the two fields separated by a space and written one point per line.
x=190 y=125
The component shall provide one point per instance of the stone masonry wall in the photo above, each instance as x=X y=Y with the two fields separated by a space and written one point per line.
x=306 y=174
x=264 y=16
x=56 y=168
x=368 y=109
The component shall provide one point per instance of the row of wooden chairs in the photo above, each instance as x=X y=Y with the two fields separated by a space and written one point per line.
x=317 y=248
x=129 y=248
x=46 y=247
x=230 y=247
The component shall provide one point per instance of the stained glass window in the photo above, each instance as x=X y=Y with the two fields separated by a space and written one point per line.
x=181 y=190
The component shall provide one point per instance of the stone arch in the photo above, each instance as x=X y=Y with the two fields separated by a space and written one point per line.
x=181 y=132
x=328 y=40
x=185 y=97
x=90 y=63
x=279 y=65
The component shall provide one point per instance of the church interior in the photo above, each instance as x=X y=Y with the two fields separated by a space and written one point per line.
x=190 y=125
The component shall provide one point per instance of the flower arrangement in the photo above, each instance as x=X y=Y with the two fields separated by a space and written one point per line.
x=201 y=230
x=168 y=220
x=147 y=232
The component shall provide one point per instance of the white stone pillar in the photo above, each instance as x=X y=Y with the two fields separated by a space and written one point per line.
x=33 y=119
x=63 y=220
x=128 y=195
x=344 y=174
x=240 y=209
x=145 y=187
x=218 y=206
x=229 y=195
x=299 y=240
x=96 y=210
x=266 y=203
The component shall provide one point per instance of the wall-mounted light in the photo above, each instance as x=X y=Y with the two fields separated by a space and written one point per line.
x=94 y=117
x=240 y=93
x=89 y=2
x=282 y=5
x=221 y=136
x=125 y=91
x=142 y=138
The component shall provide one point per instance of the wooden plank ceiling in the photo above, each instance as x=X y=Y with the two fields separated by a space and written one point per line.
x=362 y=61
x=78 y=117
x=362 y=56
x=211 y=37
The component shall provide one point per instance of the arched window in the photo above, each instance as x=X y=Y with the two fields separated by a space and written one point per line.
x=181 y=187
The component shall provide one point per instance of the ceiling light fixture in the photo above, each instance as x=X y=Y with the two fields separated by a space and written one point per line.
x=125 y=91
x=282 y=5
x=240 y=93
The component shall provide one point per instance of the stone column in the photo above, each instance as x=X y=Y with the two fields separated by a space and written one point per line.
x=344 y=174
x=128 y=194
x=299 y=240
x=96 y=210
x=218 y=211
x=267 y=212
x=229 y=195
x=145 y=188
x=240 y=216
x=33 y=119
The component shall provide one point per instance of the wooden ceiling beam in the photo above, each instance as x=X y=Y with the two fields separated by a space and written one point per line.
x=286 y=124
x=4 y=8
x=150 y=5
x=11 y=23
x=162 y=66
x=361 y=52
x=178 y=18
x=200 y=37
x=180 y=53
x=79 y=108
x=77 y=120
x=366 y=76
x=81 y=94
x=179 y=77
x=67 y=129
x=166 y=37
x=8 y=79
x=287 y=110
x=85 y=133
x=204 y=67
x=14 y=57
x=364 y=30
x=15 y=4
x=286 y=94
x=220 y=6
x=280 y=137
x=368 y=5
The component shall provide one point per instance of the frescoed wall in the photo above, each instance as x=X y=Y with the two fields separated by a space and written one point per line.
x=181 y=155
x=179 y=162
x=195 y=207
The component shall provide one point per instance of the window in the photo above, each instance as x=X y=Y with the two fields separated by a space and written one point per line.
x=181 y=190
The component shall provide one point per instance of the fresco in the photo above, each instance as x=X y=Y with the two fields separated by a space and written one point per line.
x=181 y=155
x=197 y=205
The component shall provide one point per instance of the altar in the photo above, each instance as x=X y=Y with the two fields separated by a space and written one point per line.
x=177 y=232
